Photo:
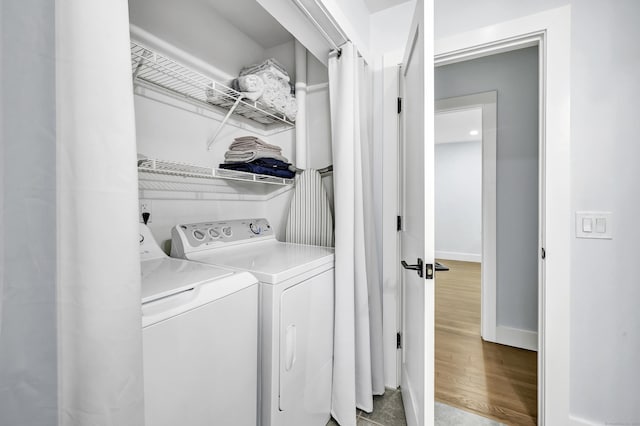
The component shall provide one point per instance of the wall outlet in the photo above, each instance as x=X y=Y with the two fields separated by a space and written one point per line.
x=144 y=206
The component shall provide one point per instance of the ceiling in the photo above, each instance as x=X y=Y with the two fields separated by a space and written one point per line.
x=455 y=126
x=250 y=18
x=378 y=5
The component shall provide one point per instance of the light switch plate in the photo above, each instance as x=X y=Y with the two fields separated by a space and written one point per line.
x=591 y=224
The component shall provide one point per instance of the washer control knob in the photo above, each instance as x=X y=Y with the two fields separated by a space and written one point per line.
x=255 y=228
x=215 y=234
x=198 y=235
x=226 y=231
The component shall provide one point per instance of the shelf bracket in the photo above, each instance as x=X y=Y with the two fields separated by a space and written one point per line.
x=213 y=138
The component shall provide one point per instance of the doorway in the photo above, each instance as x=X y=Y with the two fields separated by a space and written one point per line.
x=489 y=379
x=471 y=372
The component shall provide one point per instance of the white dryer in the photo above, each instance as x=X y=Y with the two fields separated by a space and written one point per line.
x=296 y=284
x=200 y=341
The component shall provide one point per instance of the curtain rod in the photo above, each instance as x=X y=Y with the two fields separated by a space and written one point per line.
x=315 y=23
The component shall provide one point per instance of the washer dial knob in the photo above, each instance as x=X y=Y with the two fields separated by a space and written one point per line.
x=226 y=231
x=215 y=234
x=255 y=228
x=198 y=235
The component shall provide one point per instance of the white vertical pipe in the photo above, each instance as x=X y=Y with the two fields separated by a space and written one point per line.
x=301 y=96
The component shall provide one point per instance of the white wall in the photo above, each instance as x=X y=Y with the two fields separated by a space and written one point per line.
x=283 y=53
x=515 y=77
x=605 y=93
x=389 y=28
x=458 y=199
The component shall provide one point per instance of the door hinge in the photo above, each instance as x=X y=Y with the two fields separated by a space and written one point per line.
x=399 y=105
x=398 y=341
x=428 y=271
x=399 y=223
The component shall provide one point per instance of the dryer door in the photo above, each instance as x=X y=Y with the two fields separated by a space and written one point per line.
x=306 y=348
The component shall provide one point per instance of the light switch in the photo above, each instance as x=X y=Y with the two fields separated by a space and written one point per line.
x=594 y=225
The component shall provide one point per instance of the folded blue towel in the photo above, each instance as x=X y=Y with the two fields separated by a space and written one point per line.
x=263 y=166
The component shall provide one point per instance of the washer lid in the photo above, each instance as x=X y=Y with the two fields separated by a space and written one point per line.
x=270 y=261
x=166 y=276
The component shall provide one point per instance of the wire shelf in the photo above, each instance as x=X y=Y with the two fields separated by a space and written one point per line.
x=193 y=171
x=159 y=72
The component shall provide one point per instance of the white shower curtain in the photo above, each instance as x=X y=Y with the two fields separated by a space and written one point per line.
x=70 y=321
x=100 y=335
x=358 y=366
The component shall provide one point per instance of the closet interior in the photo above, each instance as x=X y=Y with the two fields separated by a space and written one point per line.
x=186 y=58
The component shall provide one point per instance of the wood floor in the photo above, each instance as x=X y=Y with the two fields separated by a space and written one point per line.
x=495 y=381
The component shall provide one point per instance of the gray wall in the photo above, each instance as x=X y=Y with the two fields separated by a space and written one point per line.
x=514 y=75
x=605 y=100
x=28 y=361
x=458 y=199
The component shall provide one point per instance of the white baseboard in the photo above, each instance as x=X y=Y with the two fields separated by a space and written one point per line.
x=577 y=421
x=464 y=257
x=516 y=337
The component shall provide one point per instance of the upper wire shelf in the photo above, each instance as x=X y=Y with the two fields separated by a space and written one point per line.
x=159 y=72
x=194 y=171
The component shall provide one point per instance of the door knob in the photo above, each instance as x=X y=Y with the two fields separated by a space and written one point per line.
x=417 y=267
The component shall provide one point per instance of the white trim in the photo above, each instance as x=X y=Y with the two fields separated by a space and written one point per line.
x=517 y=337
x=317 y=87
x=553 y=28
x=391 y=291
x=488 y=102
x=462 y=257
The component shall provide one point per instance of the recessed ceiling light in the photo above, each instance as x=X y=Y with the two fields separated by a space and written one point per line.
x=474 y=133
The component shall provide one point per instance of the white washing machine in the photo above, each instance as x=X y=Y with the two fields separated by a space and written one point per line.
x=296 y=285
x=200 y=341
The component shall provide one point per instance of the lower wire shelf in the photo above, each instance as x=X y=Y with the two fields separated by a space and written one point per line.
x=177 y=169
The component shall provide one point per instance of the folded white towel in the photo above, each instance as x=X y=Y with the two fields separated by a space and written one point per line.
x=250 y=83
x=270 y=64
x=272 y=80
x=275 y=99
x=291 y=108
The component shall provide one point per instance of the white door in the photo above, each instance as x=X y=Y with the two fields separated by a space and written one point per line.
x=417 y=246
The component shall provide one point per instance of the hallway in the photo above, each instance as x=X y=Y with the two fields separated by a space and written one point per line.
x=495 y=381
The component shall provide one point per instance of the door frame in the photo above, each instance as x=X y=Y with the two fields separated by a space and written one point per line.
x=487 y=102
x=551 y=31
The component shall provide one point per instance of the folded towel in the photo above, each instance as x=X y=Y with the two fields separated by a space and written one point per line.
x=254 y=96
x=272 y=80
x=275 y=99
x=231 y=157
x=270 y=64
x=252 y=143
x=291 y=108
x=250 y=83
x=271 y=168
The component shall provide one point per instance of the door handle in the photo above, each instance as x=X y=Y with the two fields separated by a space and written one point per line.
x=417 y=267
